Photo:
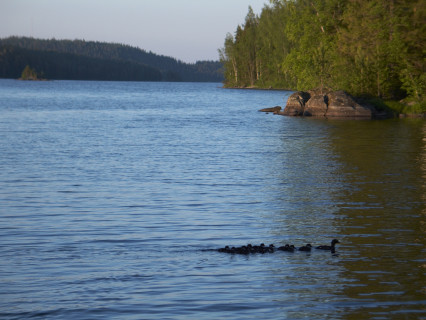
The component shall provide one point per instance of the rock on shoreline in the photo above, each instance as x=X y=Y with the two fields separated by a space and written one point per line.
x=274 y=110
x=327 y=104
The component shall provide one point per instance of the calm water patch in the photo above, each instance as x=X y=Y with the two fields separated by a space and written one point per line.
x=110 y=192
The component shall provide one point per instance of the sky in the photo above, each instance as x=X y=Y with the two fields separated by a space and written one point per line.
x=188 y=30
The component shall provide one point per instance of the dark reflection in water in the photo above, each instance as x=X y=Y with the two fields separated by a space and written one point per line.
x=308 y=175
x=381 y=214
x=364 y=183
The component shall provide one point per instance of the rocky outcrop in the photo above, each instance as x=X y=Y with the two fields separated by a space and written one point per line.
x=296 y=104
x=316 y=106
x=341 y=104
x=274 y=110
x=328 y=104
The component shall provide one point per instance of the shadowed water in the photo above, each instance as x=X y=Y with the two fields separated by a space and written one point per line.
x=110 y=194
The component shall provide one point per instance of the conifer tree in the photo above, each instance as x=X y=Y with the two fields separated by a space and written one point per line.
x=373 y=48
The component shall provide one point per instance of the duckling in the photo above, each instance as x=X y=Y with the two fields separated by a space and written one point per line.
x=242 y=250
x=307 y=248
x=329 y=248
x=287 y=247
x=226 y=249
x=250 y=248
x=259 y=249
x=263 y=248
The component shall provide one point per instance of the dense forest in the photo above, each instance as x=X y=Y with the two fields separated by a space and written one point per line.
x=88 y=60
x=370 y=48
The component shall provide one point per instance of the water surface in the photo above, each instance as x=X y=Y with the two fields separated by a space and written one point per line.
x=111 y=192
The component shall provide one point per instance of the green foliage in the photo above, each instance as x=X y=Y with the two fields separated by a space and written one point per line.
x=388 y=106
x=28 y=73
x=81 y=60
x=412 y=73
x=373 y=48
x=410 y=108
x=396 y=107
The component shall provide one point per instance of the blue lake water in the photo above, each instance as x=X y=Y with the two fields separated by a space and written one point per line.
x=112 y=194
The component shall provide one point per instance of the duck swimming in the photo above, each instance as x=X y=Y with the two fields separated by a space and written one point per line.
x=248 y=249
x=262 y=248
x=329 y=248
x=271 y=248
x=226 y=249
x=307 y=248
x=287 y=247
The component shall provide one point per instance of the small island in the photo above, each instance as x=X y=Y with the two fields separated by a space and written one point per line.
x=30 y=74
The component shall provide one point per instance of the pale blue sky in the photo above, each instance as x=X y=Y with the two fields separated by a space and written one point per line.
x=188 y=30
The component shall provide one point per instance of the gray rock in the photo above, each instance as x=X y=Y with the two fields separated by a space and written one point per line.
x=326 y=104
x=316 y=106
x=342 y=105
x=296 y=104
x=276 y=109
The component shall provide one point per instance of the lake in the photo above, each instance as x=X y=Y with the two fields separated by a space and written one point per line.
x=113 y=196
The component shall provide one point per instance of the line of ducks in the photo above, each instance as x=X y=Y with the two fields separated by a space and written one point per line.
x=262 y=248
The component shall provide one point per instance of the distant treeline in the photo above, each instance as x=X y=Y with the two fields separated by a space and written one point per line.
x=88 y=60
x=374 y=48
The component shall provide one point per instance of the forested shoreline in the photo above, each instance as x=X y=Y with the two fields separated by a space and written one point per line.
x=89 y=60
x=367 y=48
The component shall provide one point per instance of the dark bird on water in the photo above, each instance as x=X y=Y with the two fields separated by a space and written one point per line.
x=329 y=248
x=287 y=247
x=262 y=248
x=307 y=248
